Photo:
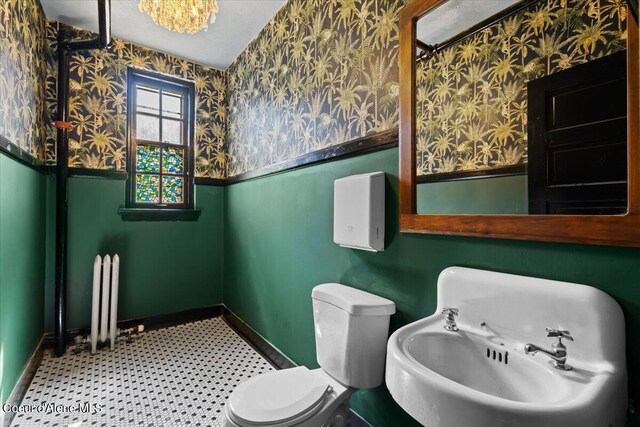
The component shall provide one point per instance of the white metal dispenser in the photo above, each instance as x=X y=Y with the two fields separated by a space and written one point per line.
x=358 y=211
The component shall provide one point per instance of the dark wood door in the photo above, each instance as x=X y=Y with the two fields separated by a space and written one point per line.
x=577 y=139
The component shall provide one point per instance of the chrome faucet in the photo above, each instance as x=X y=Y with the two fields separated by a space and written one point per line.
x=451 y=320
x=558 y=352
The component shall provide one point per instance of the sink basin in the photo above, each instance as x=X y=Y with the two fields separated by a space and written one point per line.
x=467 y=359
x=480 y=375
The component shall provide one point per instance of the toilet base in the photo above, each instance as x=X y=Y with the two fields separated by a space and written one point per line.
x=339 y=417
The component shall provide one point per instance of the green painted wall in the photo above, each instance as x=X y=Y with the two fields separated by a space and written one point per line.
x=22 y=267
x=499 y=195
x=279 y=245
x=165 y=267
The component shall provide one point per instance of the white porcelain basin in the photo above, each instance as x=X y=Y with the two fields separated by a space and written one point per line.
x=480 y=375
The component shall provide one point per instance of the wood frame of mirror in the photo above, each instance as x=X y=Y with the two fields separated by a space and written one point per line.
x=614 y=230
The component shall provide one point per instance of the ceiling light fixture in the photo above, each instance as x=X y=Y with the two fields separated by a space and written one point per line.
x=181 y=15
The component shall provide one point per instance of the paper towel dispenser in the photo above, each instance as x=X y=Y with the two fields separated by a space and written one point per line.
x=358 y=211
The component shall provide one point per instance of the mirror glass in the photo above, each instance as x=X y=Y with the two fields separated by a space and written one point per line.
x=521 y=107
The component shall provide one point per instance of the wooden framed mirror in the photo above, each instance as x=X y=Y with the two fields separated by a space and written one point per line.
x=520 y=120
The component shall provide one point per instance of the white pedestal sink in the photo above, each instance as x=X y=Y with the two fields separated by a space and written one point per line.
x=480 y=375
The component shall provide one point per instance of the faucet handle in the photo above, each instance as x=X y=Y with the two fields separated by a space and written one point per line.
x=450 y=311
x=559 y=333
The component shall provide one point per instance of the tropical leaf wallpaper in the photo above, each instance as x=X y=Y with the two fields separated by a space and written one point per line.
x=471 y=97
x=98 y=102
x=22 y=75
x=320 y=73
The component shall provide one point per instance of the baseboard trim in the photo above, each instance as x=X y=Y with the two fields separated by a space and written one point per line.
x=257 y=342
x=355 y=420
x=23 y=383
x=150 y=323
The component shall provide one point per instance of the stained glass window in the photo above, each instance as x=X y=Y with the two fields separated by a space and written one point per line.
x=172 y=189
x=172 y=160
x=148 y=158
x=160 y=123
x=147 y=188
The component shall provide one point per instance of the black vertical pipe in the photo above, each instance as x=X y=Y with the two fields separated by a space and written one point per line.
x=62 y=169
x=65 y=48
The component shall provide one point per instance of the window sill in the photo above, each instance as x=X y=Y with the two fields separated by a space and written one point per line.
x=142 y=214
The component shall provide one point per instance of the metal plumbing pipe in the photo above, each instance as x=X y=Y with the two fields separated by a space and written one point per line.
x=65 y=48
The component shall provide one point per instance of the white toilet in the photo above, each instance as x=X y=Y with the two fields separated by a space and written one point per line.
x=351 y=328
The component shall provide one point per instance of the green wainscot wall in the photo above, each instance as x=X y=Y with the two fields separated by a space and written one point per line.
x=22 y=267
x=494 y=195
x=279 y=245
x=165 y=266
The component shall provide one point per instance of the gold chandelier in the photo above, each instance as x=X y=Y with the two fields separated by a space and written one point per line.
x=181 y=15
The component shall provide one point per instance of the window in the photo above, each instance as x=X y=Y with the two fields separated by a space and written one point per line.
x=161 y=123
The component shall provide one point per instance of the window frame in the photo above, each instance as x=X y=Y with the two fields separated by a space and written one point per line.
x=161 y=82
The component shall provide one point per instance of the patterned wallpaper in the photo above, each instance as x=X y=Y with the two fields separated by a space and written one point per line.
x=320 y=73
x=471 y=97
x=22 y=75
x=97 y=107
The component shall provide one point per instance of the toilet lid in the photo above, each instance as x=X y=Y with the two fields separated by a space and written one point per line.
x=278 y=397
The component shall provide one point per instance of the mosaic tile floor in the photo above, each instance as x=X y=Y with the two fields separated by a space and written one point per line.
x=179 y=376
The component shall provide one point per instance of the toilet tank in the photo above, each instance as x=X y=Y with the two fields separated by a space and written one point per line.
x=351 y=328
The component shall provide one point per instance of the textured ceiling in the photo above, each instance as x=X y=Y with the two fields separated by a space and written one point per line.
x=238 y=22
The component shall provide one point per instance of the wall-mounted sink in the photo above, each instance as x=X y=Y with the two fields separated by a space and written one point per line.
x=480 y=374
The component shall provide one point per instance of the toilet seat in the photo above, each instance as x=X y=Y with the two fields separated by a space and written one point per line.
x=282 y=398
